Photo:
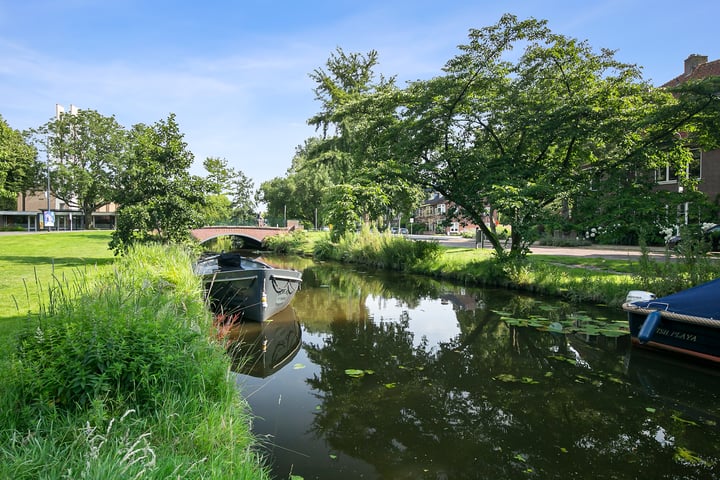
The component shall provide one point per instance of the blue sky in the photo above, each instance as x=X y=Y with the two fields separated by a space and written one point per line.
x=235 y=73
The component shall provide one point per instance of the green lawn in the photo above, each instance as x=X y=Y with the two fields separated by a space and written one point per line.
x=31 y=263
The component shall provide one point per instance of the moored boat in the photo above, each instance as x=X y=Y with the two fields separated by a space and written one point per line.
x=686 y=322
x=243 y=288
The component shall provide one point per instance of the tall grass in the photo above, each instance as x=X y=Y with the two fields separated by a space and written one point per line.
x=121 y=379
x=381 y=250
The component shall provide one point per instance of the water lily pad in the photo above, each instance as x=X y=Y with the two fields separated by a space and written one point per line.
x=506 y=377
x=355 y=373
x=555 y=327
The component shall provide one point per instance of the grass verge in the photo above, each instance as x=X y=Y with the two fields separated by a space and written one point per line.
x=119 y=376
x=34 y=265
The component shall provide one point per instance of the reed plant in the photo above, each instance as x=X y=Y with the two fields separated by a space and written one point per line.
x=381 y=250
x=123 y=379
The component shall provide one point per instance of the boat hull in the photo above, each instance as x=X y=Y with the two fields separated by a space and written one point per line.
x=251 y=291
x=678 y=336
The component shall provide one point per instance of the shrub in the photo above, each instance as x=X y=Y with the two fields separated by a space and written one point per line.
x=286 y=243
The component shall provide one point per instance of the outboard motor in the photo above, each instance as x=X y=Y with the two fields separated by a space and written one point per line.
x=639 y=296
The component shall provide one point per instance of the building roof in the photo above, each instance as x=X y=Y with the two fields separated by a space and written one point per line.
x=696 y=67
x=435 y=201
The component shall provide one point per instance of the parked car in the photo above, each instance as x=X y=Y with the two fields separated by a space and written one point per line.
x=404 y=231
x=711 y=234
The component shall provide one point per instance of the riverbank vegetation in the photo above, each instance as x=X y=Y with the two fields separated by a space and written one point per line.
x=577 y=279
x=120 y=376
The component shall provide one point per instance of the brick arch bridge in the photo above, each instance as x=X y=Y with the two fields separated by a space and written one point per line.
x=253 y=236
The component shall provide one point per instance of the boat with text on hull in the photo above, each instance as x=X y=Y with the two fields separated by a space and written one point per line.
x=242 y=288
x=686 y=322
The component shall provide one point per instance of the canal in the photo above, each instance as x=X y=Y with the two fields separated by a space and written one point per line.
x=378 y=375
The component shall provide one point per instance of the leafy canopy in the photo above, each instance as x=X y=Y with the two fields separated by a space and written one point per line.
x=518 y=133
x=159 y=201
x=19 y=168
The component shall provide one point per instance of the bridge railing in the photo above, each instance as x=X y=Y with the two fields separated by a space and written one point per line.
x=263 y=222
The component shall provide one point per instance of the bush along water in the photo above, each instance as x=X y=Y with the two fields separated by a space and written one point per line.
x=381 y=250
x=124 y=380
x=575 y=282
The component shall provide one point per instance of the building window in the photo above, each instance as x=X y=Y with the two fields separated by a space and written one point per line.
x=668 y=174
x=441 y=208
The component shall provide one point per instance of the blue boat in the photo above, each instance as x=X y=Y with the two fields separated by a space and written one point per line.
x=686 y=322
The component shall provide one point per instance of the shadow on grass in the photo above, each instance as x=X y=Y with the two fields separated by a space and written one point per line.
x=59 y=261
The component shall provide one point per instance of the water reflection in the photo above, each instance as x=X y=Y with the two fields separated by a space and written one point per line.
x=261 y=349
x=451 y=390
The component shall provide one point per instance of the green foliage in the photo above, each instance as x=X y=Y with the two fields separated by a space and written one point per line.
x=301 y=193
x=128 y=352
x=18 y=165
x=693 y=266
x=374 y=193
x=217 y=210
x=525 y=137
x=225 y=180
x=159 y=201
x=563 y=242
x=343 y=212
x=86 y=149
x=124 y=380
x=286 y=243
x=377 y=249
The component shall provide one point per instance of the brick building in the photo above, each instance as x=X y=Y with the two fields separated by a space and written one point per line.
x=433 y=214
x=707 y=165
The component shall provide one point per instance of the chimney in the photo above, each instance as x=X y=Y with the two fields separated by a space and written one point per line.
x=692 y=62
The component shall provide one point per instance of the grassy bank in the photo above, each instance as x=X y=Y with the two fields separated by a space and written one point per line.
x=119 y=376
x=34 y=265
x=27 y=260
x=577 y=279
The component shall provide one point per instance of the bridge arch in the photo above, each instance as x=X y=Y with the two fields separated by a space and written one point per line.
x=252 y=237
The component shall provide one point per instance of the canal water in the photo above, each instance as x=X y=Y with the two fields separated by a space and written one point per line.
x=374 y=375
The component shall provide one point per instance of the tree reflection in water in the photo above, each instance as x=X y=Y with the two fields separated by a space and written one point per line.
x=491 y=400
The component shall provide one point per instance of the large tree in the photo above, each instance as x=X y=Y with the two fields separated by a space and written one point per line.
x=358 y=183
x=522 y=133
x=158 y=198
x=85 y=150
x=19 y=167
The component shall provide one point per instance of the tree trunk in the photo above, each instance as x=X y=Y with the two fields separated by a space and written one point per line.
x=88 y=218
x=492 y=238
